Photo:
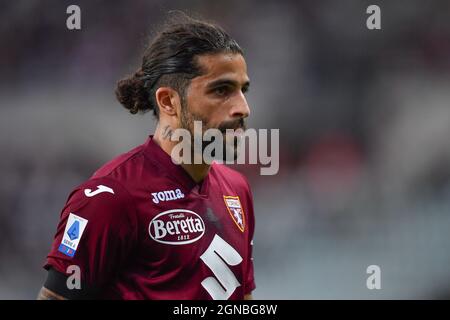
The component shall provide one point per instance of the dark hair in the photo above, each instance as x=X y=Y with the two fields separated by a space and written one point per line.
x=170 y=60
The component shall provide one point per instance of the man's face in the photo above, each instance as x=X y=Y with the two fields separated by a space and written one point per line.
x=217 y=96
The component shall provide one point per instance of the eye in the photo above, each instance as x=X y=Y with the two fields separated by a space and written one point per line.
x=221 y=91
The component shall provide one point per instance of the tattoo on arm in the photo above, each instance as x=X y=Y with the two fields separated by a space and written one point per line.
x=45 y=294
x=167 y=133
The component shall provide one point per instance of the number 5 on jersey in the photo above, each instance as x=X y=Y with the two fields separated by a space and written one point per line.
x=219 y=249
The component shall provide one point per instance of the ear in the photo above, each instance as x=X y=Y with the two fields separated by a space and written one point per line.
x=168 y=101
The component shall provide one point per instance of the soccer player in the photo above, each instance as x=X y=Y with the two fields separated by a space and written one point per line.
x=144 y=227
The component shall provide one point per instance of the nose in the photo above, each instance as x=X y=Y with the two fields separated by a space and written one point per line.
x=240 y=108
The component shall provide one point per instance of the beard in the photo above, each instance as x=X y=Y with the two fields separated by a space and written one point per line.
x=231 y=141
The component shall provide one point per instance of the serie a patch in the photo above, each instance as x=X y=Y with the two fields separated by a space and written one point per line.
x=72 y=234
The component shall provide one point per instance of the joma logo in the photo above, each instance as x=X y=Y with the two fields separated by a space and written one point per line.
x=167 y=195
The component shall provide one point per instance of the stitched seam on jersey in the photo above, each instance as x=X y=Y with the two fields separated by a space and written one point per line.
x=128 y=194
x=108 y=176
x=118 y=166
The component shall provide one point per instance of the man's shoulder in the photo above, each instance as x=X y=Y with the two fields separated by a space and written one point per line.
x=111 y=182
x=122 y=165
x=99 y=193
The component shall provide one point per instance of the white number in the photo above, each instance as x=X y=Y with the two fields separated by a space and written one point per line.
x=219 y=249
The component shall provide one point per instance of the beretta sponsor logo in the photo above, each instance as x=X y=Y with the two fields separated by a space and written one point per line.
x=177 y=226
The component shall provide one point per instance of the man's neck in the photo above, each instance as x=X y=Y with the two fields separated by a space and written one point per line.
x=162 y=138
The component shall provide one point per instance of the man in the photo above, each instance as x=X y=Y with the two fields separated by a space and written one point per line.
x=144 y=227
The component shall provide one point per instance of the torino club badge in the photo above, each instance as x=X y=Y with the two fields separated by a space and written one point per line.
x=235 y=209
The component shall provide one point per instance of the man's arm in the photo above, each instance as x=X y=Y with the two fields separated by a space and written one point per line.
x=248 y=297
x=104 y=223
x=45 y=294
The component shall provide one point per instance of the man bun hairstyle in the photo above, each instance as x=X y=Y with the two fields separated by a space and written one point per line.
x=170 y=60
x=132 y=94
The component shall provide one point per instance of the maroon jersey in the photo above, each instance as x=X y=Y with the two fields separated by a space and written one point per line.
x=141 y=228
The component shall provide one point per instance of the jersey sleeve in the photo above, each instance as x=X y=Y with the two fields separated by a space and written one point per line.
x=250 y=276
x=97 y=232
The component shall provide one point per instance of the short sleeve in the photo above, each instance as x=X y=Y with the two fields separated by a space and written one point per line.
x=97 y=231
x=250 y=276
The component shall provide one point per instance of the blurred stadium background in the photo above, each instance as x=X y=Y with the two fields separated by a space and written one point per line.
x=364 y=119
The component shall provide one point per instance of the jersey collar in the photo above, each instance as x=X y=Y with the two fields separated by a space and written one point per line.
x=162 y=160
